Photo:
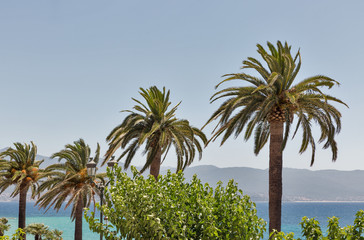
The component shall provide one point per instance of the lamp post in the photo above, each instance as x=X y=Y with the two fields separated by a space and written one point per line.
x=91 y=171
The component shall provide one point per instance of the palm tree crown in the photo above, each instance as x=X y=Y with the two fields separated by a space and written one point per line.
x=21 y=170
x=37 y=229
x=274 y=97
x=157 y=127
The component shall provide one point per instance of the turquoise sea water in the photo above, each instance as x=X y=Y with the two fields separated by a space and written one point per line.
x=54 y=220
x=292 y=212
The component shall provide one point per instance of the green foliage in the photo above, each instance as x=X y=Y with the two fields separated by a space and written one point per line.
x=43 y=232
x=54 y=234
x=37 y=229
x=311 y=230
x=4 y=226
x=281 y=236
x=18 y=235
x=170 y=208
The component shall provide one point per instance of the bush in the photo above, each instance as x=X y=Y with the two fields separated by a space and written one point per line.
x=4 y=226
x=311 y=230
x=170 y=208
x=18 y=235
x=39 y=230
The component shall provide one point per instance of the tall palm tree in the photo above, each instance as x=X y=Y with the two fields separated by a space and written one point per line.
x=268 y=106
x=70 y=182
x=158 y=129
x=22 y=170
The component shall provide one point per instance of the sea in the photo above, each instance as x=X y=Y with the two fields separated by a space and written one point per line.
x=292 y=213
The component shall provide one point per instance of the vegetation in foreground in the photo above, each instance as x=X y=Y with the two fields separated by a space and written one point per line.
x=39 y=230
x=311 y=230
x=171 y=208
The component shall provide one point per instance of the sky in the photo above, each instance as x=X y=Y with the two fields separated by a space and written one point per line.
x=67 y=68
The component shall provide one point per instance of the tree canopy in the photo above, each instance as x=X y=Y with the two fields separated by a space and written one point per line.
x=173 y=208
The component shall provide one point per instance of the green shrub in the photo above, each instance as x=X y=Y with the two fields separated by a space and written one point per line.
x=4 y=226
x=171 y=208
x=311 y=230
x=18 y=235
x=40 y=231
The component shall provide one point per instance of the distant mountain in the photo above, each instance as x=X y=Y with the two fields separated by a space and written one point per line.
x=298 y=184
x=252 y=181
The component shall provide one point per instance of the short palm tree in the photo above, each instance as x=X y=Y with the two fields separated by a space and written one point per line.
x=158 y=129
x=22 y=170
x=70 y=183
x=267 y=108
x=37 y=229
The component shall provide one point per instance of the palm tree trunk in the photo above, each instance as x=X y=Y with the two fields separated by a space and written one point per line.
x=156 y=164
x=22 y=207
x=78 y=221
x=275 y=175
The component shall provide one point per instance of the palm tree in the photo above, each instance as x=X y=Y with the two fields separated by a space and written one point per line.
x=41 y=231
x=267 y=107
x=37 y=229
x=157 y=128
x=70 y=182
x=22 y=170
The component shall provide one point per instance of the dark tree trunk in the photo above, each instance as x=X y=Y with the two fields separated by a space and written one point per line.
x=275 y=175
x=22 y=207
x=78 y=220
x=156 y=164
x=37 y=237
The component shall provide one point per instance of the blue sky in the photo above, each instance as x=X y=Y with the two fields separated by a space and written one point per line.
x=68 y=68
